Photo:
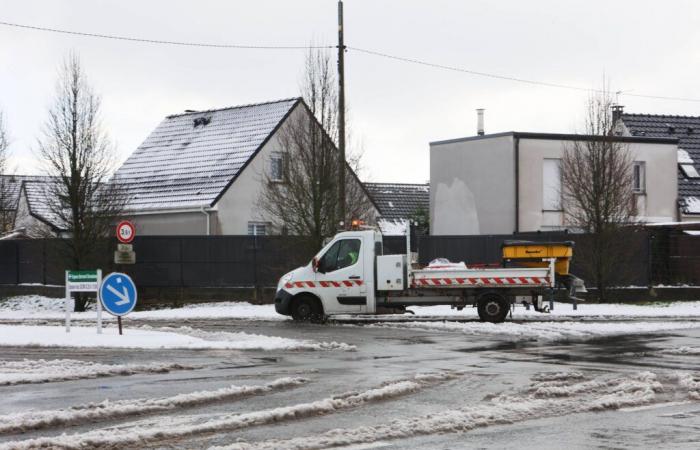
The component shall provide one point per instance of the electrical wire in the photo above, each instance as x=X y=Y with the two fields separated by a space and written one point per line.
x=356 y=49
x=159 y=41
x=510 y=78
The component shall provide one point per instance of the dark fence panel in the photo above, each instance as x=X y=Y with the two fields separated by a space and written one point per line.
x=9 y=262
x=257 y=261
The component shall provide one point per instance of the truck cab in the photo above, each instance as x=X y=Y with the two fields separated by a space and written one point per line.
x=340 y=278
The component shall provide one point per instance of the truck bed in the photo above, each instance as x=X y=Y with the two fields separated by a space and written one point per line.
x=491 y=277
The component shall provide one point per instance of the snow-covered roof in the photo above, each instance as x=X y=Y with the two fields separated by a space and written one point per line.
x=190 y=159
x=399 y=200
x=13 y=183
x=38 y=194
x=392 y=227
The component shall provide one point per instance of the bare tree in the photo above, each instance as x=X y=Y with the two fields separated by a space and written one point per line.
x=79 y=159
x=302 y=198
x=6 y=206
x=597 y=192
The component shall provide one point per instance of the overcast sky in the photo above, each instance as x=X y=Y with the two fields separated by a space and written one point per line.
x=641 y=47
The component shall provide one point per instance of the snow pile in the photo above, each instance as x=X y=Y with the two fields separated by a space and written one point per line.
x=56 y=336
x=615 y=393
x=545 y=331
x=40 y=307
x=44 y=371
x=247 y=341
x=691 y=383
x=141 y=435
x=108 y=410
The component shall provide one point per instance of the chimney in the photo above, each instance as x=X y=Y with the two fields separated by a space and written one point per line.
x=480 y=121
x=617 y=111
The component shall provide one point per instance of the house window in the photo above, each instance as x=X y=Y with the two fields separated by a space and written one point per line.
x=551 y=185
x=276 y=166
x=258 y=228
x=638 y=177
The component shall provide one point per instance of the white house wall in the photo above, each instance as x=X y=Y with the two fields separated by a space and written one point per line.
x=472 y=187
x=657 y=204
x=239 y=204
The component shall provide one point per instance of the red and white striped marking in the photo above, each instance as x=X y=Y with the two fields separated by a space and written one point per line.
x=324 y=284
x=483 y=281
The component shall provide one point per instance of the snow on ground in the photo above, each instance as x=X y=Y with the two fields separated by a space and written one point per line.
x=108 y=410
x=591 y=310
x=44 y=371
x=545 y=331
x=573 y=395
x=40 y=307
x=140 y=435
x=56 y=336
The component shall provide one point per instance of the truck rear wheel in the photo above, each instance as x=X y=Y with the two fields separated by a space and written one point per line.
x=305 y=308
x=493 y=308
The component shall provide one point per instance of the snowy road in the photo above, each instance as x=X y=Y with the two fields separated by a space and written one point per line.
x=631 y=384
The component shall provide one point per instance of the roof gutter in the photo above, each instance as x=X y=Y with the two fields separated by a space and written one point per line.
x=206 y=213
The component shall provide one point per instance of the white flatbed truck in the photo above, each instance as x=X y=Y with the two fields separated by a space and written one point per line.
x=351 y=275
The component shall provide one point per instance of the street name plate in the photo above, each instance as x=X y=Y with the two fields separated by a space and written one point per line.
x=124 y=257
x=82 y=281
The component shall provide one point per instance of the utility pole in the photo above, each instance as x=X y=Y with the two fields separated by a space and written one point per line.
x=341 y=116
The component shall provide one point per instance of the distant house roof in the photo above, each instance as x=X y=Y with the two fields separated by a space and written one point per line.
x=190 y=159
x=399 y=200
x=687 y=130
x=38 y=194
x=13 y=183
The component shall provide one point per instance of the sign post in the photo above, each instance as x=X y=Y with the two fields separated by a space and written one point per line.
x=118 y=295
x=83 y=281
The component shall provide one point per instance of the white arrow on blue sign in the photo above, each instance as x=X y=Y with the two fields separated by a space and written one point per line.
x=118 y=294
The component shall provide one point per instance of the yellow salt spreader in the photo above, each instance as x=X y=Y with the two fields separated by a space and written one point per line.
x=542 y=254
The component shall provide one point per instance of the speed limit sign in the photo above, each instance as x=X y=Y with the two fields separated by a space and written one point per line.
x=125 y=232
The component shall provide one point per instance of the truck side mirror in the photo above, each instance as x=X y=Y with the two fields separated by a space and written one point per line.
x=314 y=264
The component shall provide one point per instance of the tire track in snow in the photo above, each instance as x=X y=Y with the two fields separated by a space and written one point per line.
x=35 y=371
x=141 y=435
x=610 y=394
x=105 y=410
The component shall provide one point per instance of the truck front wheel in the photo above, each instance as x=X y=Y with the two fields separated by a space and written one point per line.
x=493 y=308
x=307 y=309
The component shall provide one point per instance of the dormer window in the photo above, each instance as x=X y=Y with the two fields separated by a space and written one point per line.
x=201 y=121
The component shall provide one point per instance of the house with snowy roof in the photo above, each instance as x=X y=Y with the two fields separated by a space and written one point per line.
x=29 y=204
x=398 y=202
x=686 y=129
x=202 y=172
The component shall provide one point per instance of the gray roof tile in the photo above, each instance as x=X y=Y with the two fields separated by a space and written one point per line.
x=399 y=200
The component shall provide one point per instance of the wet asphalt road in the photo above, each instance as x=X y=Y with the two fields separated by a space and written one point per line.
x=489 y=366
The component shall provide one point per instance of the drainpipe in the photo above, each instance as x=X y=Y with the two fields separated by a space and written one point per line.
x=516 y=151
x=206 y=213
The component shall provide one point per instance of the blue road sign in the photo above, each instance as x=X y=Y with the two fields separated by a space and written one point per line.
x=118 y=294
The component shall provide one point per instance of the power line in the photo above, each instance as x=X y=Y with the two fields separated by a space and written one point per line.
x=357 y=49
x=510 y=78
x=160 y=41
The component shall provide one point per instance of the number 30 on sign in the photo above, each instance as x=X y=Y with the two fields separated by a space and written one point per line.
x=125 y=232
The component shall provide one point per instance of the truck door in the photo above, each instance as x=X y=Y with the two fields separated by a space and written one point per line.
x=341 y=277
